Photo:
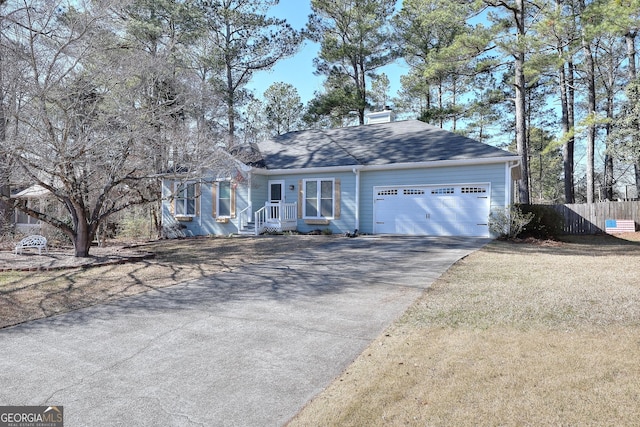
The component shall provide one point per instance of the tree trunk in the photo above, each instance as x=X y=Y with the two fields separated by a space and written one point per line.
x=567 y=160
x=453 y=104
x=230 y=108
x=440 y=104
x=82 y=238
x=565 y=74
x=567 y=95
x=230 y=89
x=6 y=211
x=630 y=39
x=571 y=98
x=636 y=169
x=608 y=173
x=521 y=126
x=591 y=130
x=361 y=88
x=609 y=180
x=81 y=245
x=591 y=111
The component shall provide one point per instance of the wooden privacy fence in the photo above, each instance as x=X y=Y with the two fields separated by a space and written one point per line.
x=589 y=218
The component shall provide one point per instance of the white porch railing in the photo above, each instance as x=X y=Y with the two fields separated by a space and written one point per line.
x=276 y=217
x=243 y=218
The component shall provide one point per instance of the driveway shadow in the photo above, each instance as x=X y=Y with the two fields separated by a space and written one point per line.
x=247 y=347
x=336 y=266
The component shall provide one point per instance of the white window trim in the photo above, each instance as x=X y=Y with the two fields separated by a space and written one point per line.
x=218 y=198
x=318 y=194
x=182 y=186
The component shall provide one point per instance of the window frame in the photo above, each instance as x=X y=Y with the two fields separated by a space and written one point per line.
x=318 y=198
x=215 y=200
x=179 y=199
x=218 y=198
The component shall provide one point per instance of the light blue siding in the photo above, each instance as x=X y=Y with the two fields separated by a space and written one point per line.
x=259 y=191
x=346 y=220
x=204 y=223
x=493 y=174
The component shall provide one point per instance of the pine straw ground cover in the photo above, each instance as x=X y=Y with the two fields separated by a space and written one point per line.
x=514 y=334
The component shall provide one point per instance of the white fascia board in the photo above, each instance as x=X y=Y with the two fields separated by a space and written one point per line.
x=443 y=163
x=260 y=171
x=395 y=166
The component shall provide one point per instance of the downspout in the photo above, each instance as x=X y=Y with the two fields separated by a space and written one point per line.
x=357 y=211
x=250 y=200
x=200 y=183
x=508 y=201
x=509 y=181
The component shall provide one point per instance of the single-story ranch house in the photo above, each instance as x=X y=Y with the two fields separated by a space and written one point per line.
x=386 y=177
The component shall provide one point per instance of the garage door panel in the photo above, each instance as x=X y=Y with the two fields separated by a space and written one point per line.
x=452 y=210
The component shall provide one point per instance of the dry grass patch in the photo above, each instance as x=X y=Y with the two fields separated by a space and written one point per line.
x=515 y=334
x=32 y=295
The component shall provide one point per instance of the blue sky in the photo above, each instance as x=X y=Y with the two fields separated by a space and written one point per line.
x=298 y=70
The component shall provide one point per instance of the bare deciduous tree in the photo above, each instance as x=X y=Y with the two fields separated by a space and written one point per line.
x=82 y=122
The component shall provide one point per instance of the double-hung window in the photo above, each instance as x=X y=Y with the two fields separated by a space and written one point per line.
x=319 y=199
x=186 y=199
x=224 y=199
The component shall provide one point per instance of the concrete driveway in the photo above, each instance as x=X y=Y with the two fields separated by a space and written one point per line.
x=246 y=348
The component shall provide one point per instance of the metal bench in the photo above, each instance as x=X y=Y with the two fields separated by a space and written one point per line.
x=35 y=241
x=615 y=226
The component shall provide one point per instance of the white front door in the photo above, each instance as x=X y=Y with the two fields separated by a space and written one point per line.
x=276 y=191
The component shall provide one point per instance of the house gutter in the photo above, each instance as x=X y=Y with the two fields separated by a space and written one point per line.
x=395 y=166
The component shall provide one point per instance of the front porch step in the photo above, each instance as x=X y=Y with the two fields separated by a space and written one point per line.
x=248 y=230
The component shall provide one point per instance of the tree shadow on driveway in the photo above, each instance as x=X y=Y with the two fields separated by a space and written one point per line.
x=333 y=267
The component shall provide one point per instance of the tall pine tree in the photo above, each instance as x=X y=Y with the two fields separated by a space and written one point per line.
x=244 y=40
x=355 y=41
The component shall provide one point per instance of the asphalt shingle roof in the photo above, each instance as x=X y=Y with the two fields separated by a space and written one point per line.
x=376 y=144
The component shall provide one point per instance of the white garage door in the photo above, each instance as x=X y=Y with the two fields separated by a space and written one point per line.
x=444 y=210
